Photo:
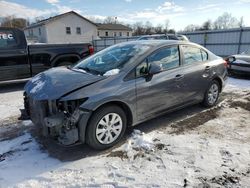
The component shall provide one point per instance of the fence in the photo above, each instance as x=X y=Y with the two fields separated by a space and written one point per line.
x=221 y=42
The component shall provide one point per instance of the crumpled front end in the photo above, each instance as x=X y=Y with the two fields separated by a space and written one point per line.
x=55 y=118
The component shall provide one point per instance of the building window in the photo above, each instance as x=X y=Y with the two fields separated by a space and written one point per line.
x=120 y=34
x=106 y=33
x=98 y=33
x=128 y=34
x=68 y=30
x=78 y=30
x=39 y=30
x=114 y=34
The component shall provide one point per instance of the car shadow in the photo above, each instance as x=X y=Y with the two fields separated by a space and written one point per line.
x=11 y=87
x=76 y=152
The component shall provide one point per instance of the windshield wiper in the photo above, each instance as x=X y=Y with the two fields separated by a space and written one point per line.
x=92 y=71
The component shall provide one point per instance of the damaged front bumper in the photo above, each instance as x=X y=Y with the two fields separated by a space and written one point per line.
x=63 y=120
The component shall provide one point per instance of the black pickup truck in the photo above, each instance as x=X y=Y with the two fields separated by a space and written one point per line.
x=19 y=60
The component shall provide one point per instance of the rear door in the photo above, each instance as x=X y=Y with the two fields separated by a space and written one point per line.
x=196 y=71
x=13 y=55
x=162 y=90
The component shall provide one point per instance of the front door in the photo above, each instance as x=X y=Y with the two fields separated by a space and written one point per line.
x=158 y=92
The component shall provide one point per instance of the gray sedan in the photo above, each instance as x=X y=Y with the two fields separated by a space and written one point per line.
x=122 y=86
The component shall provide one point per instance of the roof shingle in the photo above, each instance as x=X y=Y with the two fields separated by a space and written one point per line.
x=113 y=27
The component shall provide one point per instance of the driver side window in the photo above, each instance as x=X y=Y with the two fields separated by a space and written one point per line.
x=165 y=59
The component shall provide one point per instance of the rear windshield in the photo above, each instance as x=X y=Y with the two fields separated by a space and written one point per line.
x=7 y=39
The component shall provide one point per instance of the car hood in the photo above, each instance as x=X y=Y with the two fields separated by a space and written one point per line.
x=58 y=82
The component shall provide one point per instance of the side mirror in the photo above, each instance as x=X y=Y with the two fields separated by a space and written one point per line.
x=231 y=59
x=154 y=69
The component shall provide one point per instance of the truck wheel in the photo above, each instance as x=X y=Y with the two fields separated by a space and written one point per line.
x=212 y=94
x=65 y=63
x=106 y=127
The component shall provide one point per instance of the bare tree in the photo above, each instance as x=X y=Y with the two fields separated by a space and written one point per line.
x=110 y=20
x=11 y=21
x=191 y=28
x=138 y=28
x=166 y=26
x=95 y=19
x=159 y=29
x=226 y=21
x=39 y=18
x=148 y=28
x=241 y=22
x=171 y=31
x=207 y=25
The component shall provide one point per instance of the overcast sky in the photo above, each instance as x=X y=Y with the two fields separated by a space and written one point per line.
x=179 y=12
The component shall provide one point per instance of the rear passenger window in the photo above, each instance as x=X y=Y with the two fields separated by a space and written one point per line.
x=166 y=58
x=7 y=39
x=193 y=54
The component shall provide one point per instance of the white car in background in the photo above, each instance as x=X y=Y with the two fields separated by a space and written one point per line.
x=240 y=63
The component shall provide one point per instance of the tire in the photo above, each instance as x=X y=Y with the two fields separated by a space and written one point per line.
x=212 y=94
x=101 y=133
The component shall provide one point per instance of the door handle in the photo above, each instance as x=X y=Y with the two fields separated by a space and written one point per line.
x=179 y=77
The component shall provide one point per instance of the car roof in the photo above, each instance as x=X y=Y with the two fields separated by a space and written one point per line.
x=158 y=42
x=156 y=35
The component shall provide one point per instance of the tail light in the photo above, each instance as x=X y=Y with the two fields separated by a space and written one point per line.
x=91 y=50
x=225 y=63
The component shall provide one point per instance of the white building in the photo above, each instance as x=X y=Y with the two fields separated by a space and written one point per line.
x=114 y=30
x=69 y=27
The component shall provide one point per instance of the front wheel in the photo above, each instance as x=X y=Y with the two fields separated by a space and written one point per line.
x=106 y=127
x=212 y=94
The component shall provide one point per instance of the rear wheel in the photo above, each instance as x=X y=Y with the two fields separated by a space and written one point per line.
x=212 y=94
x=106 y=127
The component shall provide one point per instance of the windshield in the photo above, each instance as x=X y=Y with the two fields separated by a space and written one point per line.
x=247 y=52
x=112 y=59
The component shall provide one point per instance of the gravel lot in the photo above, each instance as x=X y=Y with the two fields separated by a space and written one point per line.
x=194 y=147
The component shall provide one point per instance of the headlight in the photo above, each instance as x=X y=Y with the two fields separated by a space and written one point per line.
x=71 y=105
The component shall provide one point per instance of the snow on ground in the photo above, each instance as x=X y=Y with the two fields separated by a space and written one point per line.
x=210 y=148
x=234 y=85
x=10 y=104
x=21 y=158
